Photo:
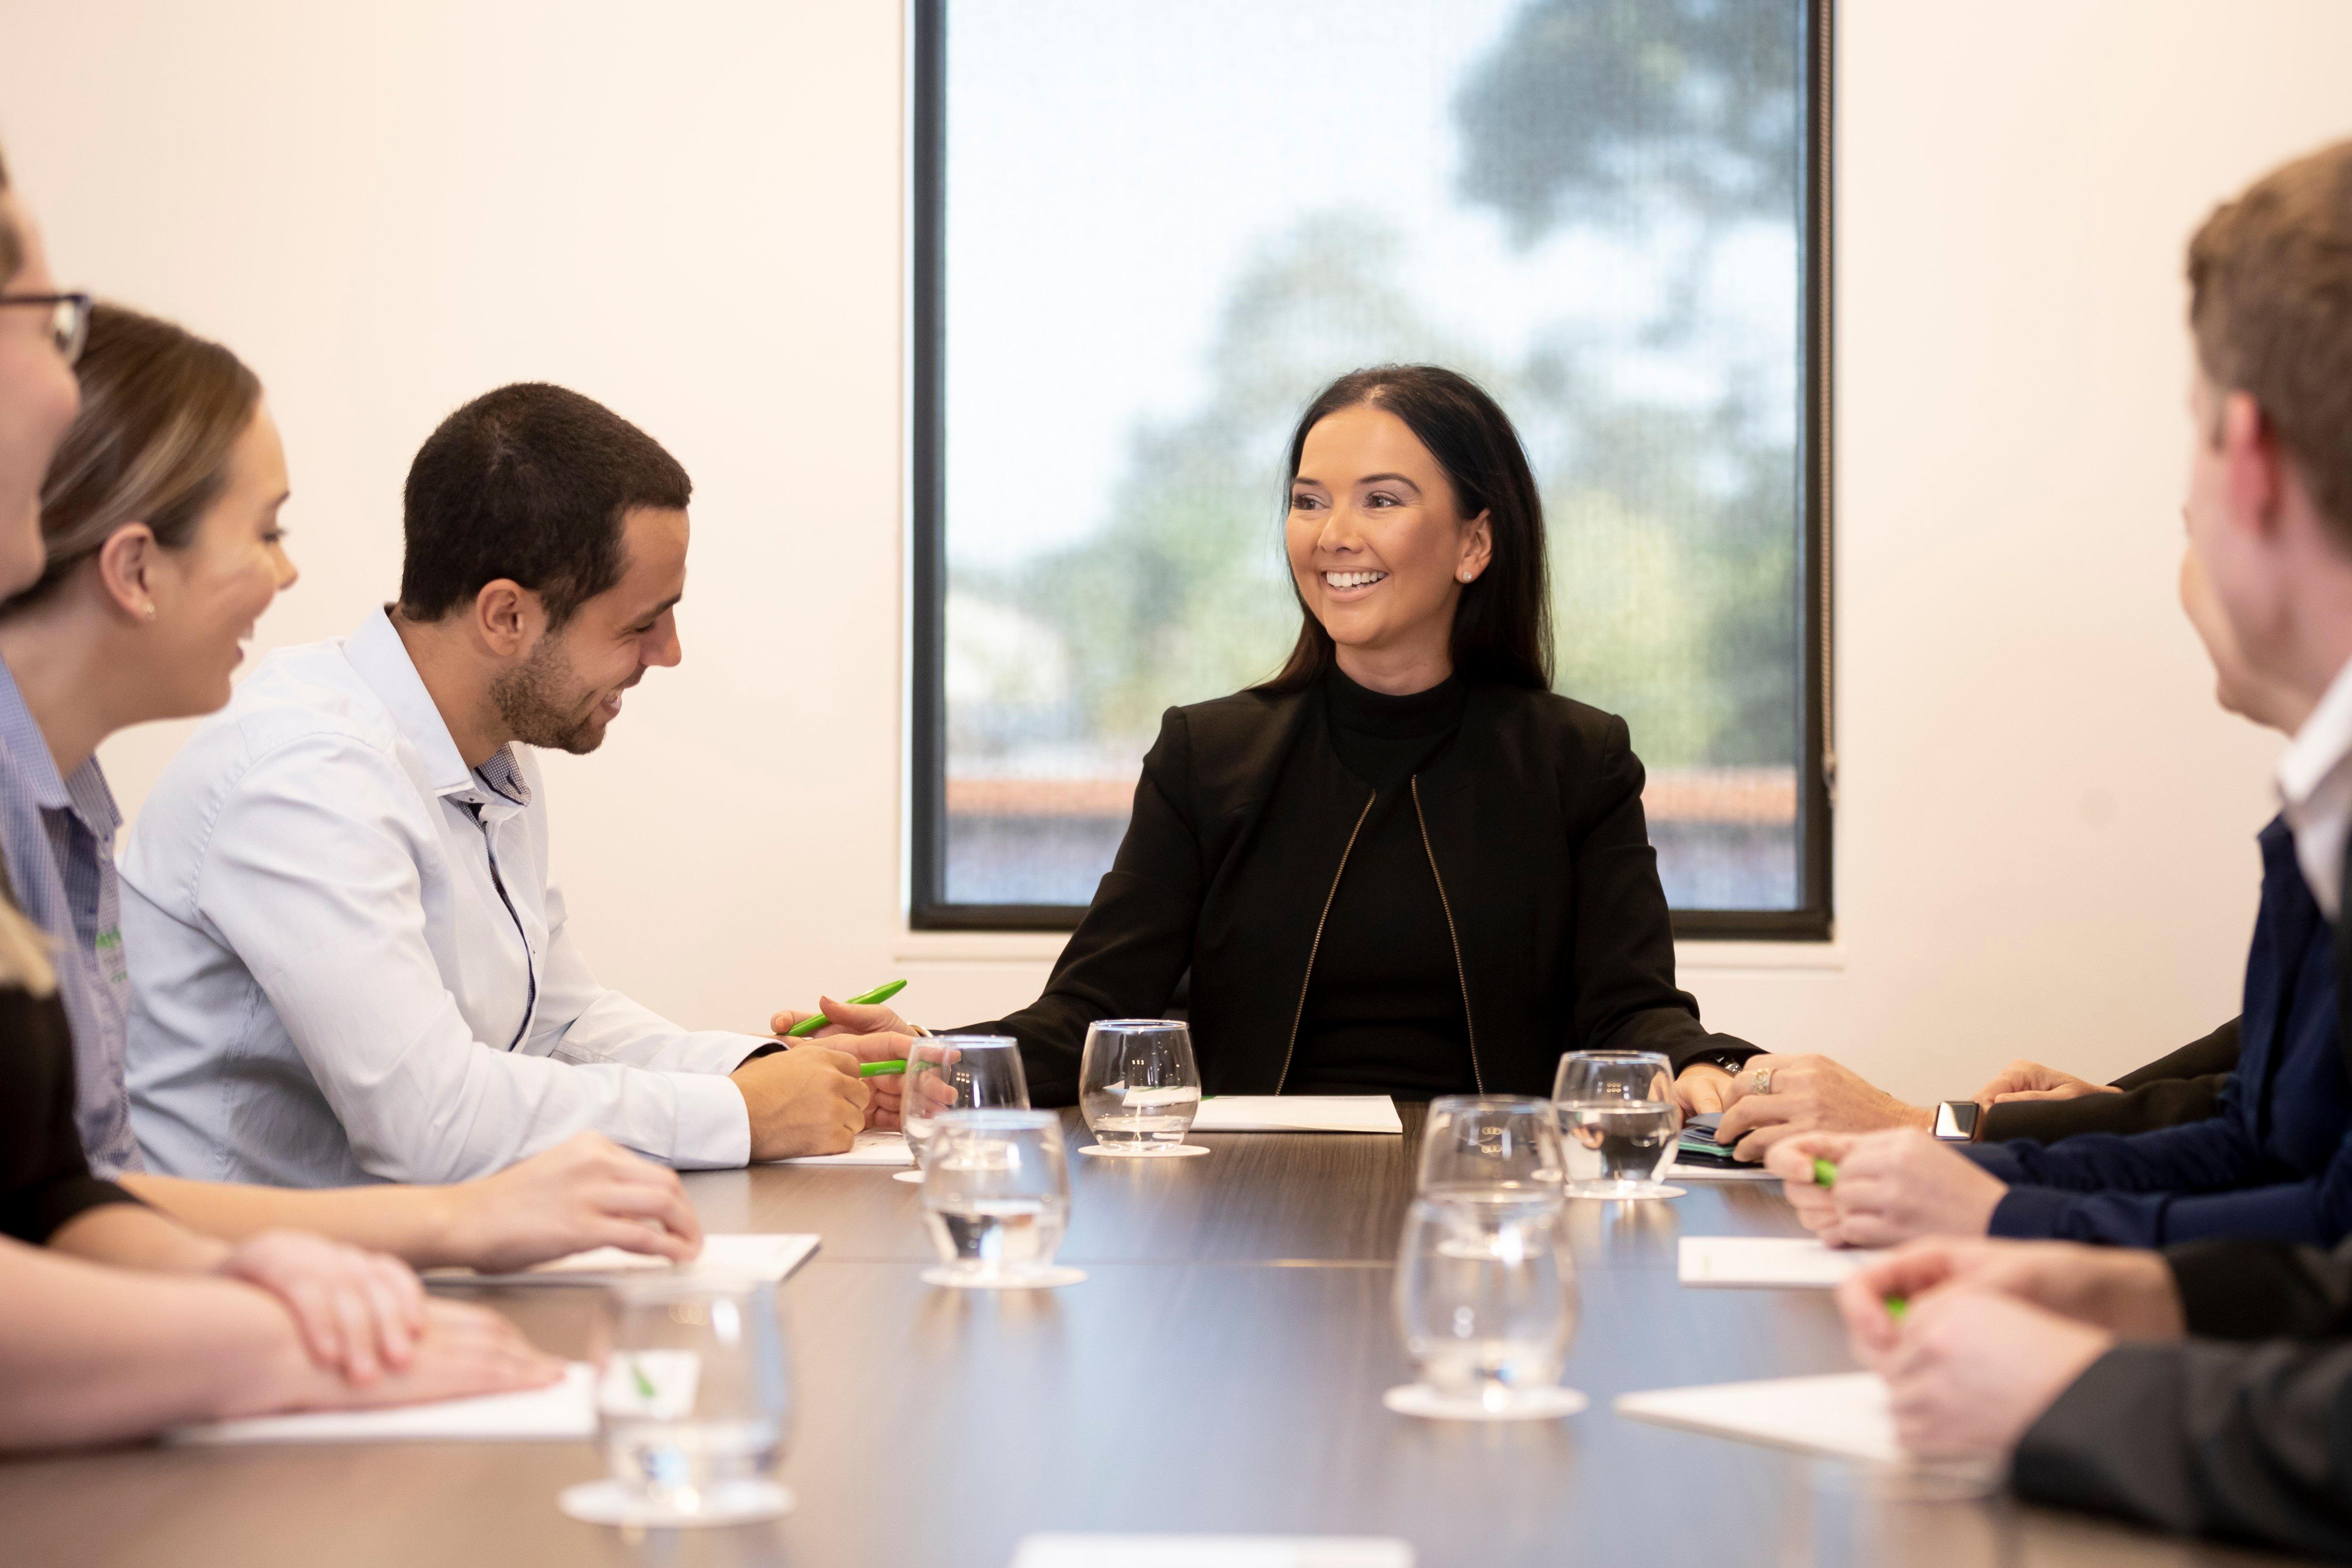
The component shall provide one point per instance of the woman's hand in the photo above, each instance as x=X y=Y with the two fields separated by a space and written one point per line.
x=1703 y=1087
x=359 y=1313
x=461 y=1352
x=1890 y=1187
x=1808 y=1095
x=587 y=1191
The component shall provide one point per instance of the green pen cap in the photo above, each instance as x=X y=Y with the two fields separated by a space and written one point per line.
x=1824 y=1174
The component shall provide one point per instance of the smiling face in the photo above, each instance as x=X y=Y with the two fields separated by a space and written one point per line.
x=38 y=398
x=569 y=689
x=1379 y=549
x=209 y=592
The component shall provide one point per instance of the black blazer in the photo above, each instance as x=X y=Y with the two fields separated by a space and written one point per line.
x=2183 y=1087
x=1244 y=819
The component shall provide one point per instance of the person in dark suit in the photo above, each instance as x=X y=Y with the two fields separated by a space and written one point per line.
x=1404 y=864
x=2209 y=1387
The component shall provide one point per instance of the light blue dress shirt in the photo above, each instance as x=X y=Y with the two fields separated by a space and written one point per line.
x=59 y=838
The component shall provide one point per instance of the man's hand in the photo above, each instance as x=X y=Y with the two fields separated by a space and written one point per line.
x=872 y=1034
x=806 y=1101
x=1703 y=1087
x=2031 y=1081
x=359 y=1313
x=2128 y=1292
x=587 y=1191
x=1891 y=1186
x=1809 y=1094
x=1972 y=1369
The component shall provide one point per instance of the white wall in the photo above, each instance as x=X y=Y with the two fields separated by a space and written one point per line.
x=694 y=213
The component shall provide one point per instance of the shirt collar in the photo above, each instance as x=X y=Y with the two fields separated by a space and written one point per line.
x=382 y=659
x=85 y=794
x=2320 y=745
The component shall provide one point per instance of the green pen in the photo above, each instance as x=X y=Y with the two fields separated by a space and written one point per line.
x=1897 y=1306
x=881 y=1069
x=1824 y=1174
x=816 y=1022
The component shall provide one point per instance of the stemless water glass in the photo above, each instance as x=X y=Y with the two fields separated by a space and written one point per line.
x=996 y=1195
x=958 y=1073
x=1619 y=1122
x=1498 y=1149
x=695 y=1399
x=1138 y=1086
x=1487 y=1307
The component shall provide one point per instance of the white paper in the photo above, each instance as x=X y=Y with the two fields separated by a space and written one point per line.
x=560 y=1412
x=771 y=1257
x=1681 y=1172
x=1770 y=1261
x=1211 y=1552
x=872 y=1148
x=1298 y=1114
x=1844 y=1414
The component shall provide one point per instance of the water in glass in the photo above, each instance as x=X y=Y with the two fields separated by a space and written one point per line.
x=1485 y=1298
x=1138 y=1084
x=996 y=1192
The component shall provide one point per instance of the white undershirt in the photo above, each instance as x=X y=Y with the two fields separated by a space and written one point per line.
x=2314 y=786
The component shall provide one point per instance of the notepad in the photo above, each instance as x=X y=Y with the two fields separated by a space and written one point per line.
x=560 y=1412
x=1211 y=1552
x=1298 y=1114
x=1679 y=1171
x=871 y=1148
x=771 y=1257
x=1844 y=1414
x=1767 y=1261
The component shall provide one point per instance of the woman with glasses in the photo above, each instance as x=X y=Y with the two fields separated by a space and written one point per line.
x=114 y=1319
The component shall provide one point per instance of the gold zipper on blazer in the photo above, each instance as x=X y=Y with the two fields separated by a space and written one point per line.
x=1459 y=974
x=1309 y=978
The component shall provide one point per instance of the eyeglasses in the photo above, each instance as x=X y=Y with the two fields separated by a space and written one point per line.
x=68 y=318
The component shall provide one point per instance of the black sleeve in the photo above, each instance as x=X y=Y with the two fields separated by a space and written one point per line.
x=2244 y=1288
x=1135 y=941
x=1626 y=998
x=2183 y=1087
x=2252 y=1442
x=43 y=1178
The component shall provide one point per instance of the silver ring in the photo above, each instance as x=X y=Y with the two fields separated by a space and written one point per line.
x=1763 y=1080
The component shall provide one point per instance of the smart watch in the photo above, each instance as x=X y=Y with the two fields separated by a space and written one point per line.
x=1956 y=1121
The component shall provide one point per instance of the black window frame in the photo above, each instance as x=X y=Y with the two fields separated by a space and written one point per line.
x=928 y=909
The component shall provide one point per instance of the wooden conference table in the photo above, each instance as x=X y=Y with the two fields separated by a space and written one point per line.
x=1220 y=1371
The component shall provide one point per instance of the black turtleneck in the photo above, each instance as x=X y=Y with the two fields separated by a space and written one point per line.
x=1384 y=1002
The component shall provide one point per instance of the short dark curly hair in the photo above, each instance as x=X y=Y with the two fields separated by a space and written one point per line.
x=530 y=483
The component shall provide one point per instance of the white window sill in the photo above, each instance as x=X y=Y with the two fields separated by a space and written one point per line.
x=1044 y=947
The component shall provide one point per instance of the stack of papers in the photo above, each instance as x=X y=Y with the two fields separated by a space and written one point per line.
x=1298 y=1114
x=1211 y=1552
x=1679 y=1171
x=560 y=1412
x=870 y=1149
x=1767 y=1261
x=769 y=1258
x=1844 y=1414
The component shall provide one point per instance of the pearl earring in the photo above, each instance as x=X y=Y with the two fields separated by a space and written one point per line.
x=151 y=610
x=1465 y=576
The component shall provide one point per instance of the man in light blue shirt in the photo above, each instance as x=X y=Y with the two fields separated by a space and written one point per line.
x=349 y=958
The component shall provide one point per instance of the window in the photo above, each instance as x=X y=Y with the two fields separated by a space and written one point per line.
x=1146 y=235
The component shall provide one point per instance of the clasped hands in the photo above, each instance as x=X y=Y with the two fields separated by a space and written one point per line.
x=1816 y=1095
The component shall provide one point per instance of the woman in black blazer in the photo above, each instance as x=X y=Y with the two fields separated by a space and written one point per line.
x=1402 y=865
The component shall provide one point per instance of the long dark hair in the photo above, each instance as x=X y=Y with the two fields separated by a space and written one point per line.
x=1502 y=624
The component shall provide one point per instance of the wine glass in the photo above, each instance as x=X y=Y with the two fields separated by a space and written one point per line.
x=996 y=1197
x=1486 y=1304
x=1138 y=1086
x=1619 y=1122
x=694 y=1398
x=958 y=1072
x=1494 y=1148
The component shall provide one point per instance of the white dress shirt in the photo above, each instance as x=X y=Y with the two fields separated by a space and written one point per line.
x=2314 y=786
x=348 y=962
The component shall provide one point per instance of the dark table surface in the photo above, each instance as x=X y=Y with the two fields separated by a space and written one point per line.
x=1219 y=1371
